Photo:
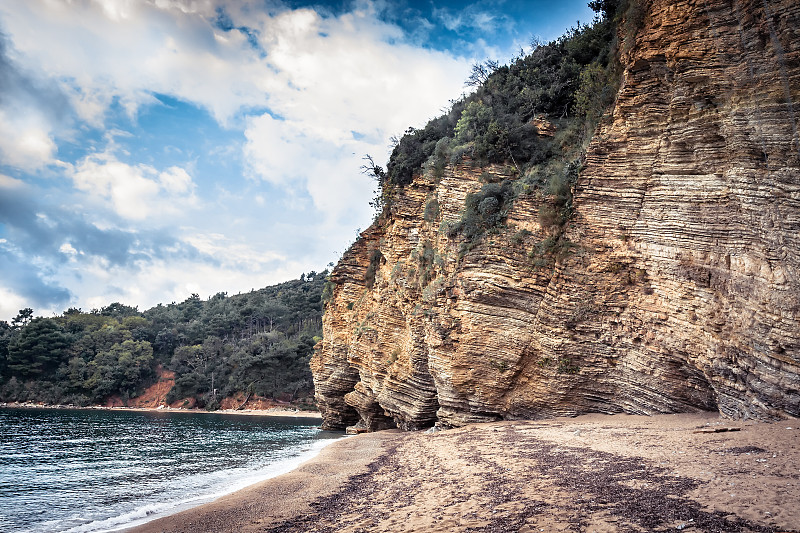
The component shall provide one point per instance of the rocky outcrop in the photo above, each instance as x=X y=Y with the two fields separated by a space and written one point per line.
x=682 y=289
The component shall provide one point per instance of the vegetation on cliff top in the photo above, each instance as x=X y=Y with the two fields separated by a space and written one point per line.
x=572 y=76
x=535 y=116
x=255 y=343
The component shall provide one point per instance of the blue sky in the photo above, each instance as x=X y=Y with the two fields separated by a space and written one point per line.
x=151 y=149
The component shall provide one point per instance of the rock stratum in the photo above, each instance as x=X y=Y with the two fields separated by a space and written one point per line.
x=681 y=293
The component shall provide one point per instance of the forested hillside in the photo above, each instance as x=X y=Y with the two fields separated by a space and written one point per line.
x=254 y=344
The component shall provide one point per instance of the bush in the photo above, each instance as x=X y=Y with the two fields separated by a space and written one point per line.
x=441 y=155
x=572 y=78
x=327 y=292
x=483 y=210
x=375 y=258
x=417 y=146
x=566 y=366
x=426 y=259
x=550 y=250
x=431 y=210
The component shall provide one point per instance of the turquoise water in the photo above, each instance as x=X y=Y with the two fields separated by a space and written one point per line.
x=98 y=470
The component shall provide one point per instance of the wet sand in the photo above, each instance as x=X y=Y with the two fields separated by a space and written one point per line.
x=692 y=472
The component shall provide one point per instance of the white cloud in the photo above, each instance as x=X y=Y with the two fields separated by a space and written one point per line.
x=450 y=21
x=176 y=180
x=10 y=303
x=25 y=140
x=7 y=182
x=68 y=250
x=231 y=252
x=134 y=192
x=325 y=77
x=90 y=104
x=348 y=74
x=276 y=149
x=241 y=269
x=485 y=21
x=341 y=88
x=472 y=17
x=337 y=75
x=132 y=49
x=336 y=87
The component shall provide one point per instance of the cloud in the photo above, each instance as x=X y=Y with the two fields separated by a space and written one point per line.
x=340 y=88
x=324 y=76
x=11 y=302
x=275 y=149
x=26 y=279
x=30 y=108
x=36 y=227
x=235 y=254
x=25 y=141
x=472 y=17
x=176 y=181
x=352 y=73
x=133 y=49
x=306 y=94
x=166 y=281
x=52 y=257
x=134 y=192
x=11 y=184
x=25 y=284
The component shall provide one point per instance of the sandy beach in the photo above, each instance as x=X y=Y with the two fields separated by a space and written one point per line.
x=600 y=473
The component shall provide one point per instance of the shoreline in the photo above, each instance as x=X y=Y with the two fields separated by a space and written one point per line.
x=272 y=411
x=283 y=497
x=192 y=502
x=692 y=472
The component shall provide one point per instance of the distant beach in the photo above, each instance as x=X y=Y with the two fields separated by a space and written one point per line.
x=273 y=411
x=685 y=472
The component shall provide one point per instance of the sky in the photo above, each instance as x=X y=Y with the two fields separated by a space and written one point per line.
x=152 y=149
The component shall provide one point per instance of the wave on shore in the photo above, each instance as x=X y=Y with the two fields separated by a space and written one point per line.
x=151 y=511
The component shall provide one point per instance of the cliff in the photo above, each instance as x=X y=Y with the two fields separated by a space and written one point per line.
x=674 y=285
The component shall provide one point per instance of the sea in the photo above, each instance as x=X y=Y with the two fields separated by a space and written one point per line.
x=92 y=470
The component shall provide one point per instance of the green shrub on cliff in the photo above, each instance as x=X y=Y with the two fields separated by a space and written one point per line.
x=571 y=80
x=537 y=115
x=375 y=258
x=416 y=146
x=484 y=210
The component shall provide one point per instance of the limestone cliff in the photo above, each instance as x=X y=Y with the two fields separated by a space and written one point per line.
x=682 y=289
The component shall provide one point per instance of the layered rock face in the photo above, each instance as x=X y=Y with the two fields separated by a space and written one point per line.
x=682 y=291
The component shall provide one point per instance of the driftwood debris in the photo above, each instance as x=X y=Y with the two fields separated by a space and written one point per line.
x=241 y=405
x=716 y=430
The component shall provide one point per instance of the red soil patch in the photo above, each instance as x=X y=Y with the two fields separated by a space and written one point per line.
x=254 y=402
x=154 y=396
